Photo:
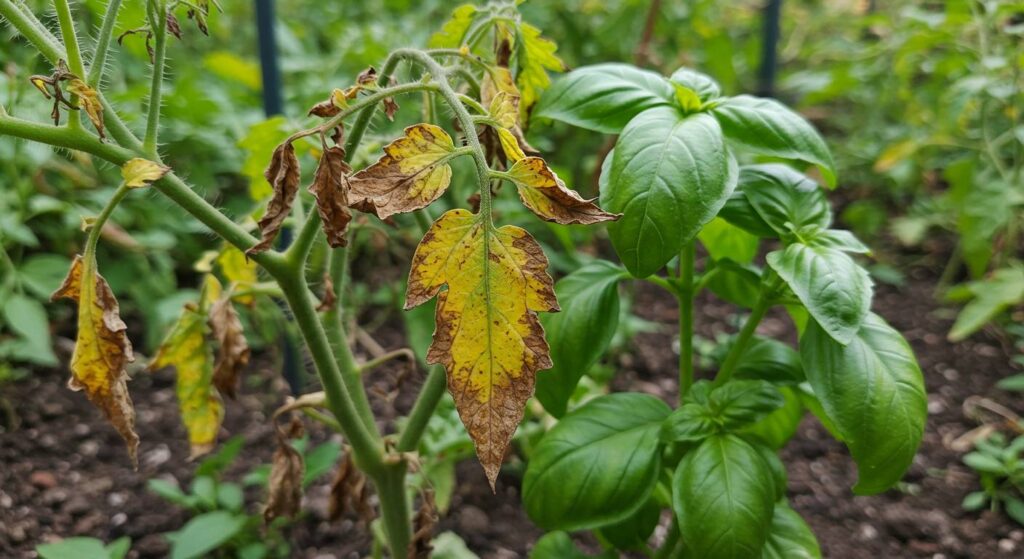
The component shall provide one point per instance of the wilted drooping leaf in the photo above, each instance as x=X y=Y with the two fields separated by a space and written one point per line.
x=286 y=470
x=102 y=349
x=547 y=196
x=330 y=106
x=232 y=348
x=423 y=527
x=413 y=173
x=349 y=493
x=330 y=188
x=89 y=101
x=138 y=172
x=488 y=336
x=187 y=350
x=283 y=176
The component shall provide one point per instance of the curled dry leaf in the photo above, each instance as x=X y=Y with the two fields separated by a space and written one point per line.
x=330 y=188
x=89 y=101
x=413 y=173
x=232 y=347
x=330 y=106
x=349 y=493
x=186 y=348
x=488 y=336
x=173 y=27
x=286 y=471
x=138 y=172
x=547 y=196
x=102 y=349
x=283 y=176
x=368 y=77
x=423 y=527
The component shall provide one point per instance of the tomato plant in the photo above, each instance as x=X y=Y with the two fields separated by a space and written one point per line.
x=673 y=180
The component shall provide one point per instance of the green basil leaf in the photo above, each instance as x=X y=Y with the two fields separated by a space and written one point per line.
x=725 y=240
x=770 y=128
x=691 y=422
x=778 y=427
x=737 y=284
x=873 y=391
x=789 y=537
x=770 y=360
x=723 y=495
x=775 y=465
x=701 y=84
x=739 y=402
x=835 y=290
x=633 y=532
x=598 y=465
x=204 y=533
x=669 y=176
x=992 y=296
x=603 y=97
x=580 y=334
x=739 y=212
x=786 y=199
x=559 y=545
x=839 y=240
x=26 y=317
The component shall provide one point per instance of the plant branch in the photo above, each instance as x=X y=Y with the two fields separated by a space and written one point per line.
x=32 y=30
x=99 y=57
x=158 y=23
x=685 y=297
x=67 y=31
x=732 y=359
x=426 y=402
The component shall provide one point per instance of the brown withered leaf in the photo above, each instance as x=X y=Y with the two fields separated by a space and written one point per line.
x=390 y=108
x=173 y=27
x=349 y=493
x=547 y=196
x=488 y=335
x=286 y=471
x=367 y=77
x=88 y=101
x=413 y=173
x=330 y=188
x=102 y=349
x=423 y=527
x=283 y=176
x=328 y=107
x=232 y=347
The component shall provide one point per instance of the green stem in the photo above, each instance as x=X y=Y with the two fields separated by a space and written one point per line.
x=426 y=402
x=97 y=225
x=728 y=367
x=32 y=30
x=395 y=513
x=67 y=31
x=685 y=298
x=158 y=22
x=99 y=58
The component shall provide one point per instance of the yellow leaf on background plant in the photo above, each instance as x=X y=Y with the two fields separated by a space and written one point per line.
x=894 y=155
x=510 y=145
x=496 y=80
x=488 y=336
x=138 y=172
x=546 y=195
x=186 y=349
x=238 y=270
x=102 y=349
x=454 y=30
x=536 y=54
x=413 y=173
x=89 y=101
x=505 y=109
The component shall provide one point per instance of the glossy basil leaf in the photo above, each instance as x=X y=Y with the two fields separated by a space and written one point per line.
x=778 y=427
x=669 y=176
x=835 y=290
x=598 y=465
x=839 y=240
x=739 y=402
x=603 y=97
x=723 y=494
x=770 y=360
x=725 y=240
x=701 y=84
x=873 y=391
x=789 y=536
x=691 y=422
x=786 y=199
x=768 y=127
x=775 y=465
x=737 y=284
x=559 y=545
x=580 y=334
x=633 y=532
x=739 y=212
x=813 y=405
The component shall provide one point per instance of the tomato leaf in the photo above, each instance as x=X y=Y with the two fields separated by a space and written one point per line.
x=283 y=175
x=138 y=172
x=330 y=189
x=535 y=55
x=546 y=195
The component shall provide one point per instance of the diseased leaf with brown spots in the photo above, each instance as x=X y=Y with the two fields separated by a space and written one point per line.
x=102 y=350
x=187 y=349
x=330 y=188
x=89 y=101
x=286 y=471
x=232 y=347
x=337 y=100
x=488 y=336
x=547 y=196
x=413 y=173
x=283 y=176
x=138 y=172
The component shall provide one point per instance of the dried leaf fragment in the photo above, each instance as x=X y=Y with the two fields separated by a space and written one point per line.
x=413 y=173
x=89 y=101
x=547 y=196
x=138 y=172
x=283 y=176
x=286 y=471
x=102 y=349
x=488 y=336
x=232 y=347
x=330 y=188
x=349 y=493
x=423 y=527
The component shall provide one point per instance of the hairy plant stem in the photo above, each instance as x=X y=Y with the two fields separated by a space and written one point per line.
x=32 y=30
x=732 y=359
x=158 y=24
x=685 y=296
x=67 y=31
x=97 y=225
x=99 y=57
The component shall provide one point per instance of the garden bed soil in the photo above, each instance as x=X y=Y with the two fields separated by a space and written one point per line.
x=64 y=472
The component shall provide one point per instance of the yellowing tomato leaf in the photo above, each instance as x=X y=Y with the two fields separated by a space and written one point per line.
x=330 y=188
x=504 y=109
x=138 y=172
x=547 y=196
x=454 y=30
x=283 y=176
x=102 y=349
x=238 y=270
x=536 y=54
x=186 y=349
x=488 y=336
x=510 y=145
x=413 y=173
x=232 y=347
x=88 y=101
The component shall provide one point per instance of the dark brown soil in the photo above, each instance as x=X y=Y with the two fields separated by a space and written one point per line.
x=64 y=471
